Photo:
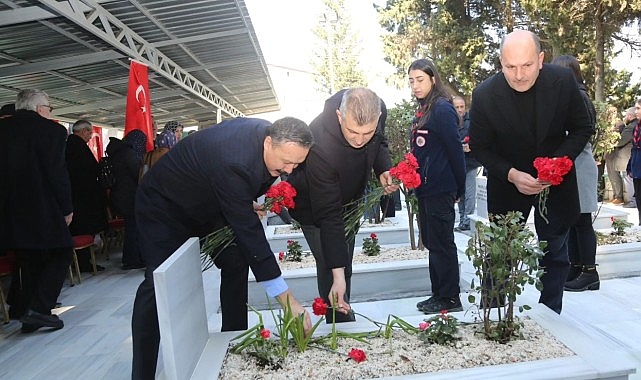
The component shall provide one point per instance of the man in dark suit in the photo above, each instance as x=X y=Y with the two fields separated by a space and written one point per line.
x=349 y=142
x=89 y=199
x=36 y=207
x=205 y=182
x=531 y=110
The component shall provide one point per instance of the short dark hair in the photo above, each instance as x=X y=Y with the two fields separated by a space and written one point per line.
x=571 y=63
x=291 y=129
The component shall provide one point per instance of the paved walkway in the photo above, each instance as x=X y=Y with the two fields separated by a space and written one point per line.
x=96 y=340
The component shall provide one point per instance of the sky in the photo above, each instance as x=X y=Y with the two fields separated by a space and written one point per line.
x=284 y=31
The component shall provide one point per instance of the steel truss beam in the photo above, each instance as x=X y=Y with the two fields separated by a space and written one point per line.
x=113 y=31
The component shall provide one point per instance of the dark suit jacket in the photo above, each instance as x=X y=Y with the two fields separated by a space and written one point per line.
x=500 y=141
x=206 y=181
x=333 y=175
x=38 y=189
x=89 y=201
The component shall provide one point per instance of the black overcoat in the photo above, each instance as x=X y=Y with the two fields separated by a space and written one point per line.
x=89 y=200
x=38 y=191
x=333 y=175
x=500 y=141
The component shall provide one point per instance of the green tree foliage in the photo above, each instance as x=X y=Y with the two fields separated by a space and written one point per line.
x=397 y=129
x=337 y=51
x=462 y=37
x=443 y=31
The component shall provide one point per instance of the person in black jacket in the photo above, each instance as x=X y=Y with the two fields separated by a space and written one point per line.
x=531 y=110
x=349 y=142
x=89 y=199
x=209 y=180
x=36 y=207
x=127 y=155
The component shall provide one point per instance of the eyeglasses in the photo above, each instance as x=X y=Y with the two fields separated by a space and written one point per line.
x=48 y=106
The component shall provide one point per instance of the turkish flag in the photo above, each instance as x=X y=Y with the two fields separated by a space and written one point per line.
x=138 y=111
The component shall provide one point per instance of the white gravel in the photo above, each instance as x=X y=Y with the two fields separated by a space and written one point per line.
x=404 y=354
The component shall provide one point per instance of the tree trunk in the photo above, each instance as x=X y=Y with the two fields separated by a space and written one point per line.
x=599 y=70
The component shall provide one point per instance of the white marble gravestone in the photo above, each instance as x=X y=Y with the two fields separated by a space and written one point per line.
x=180 y=299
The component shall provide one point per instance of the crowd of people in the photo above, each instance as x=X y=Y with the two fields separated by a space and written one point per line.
x=195 y=185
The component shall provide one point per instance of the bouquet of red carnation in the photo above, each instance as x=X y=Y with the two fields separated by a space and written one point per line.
x=278 y=196
x=404 y=174
x=550 y=170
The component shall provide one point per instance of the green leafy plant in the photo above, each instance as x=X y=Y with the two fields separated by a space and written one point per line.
x=505 y=256
x=439 y=329
x=294 y=251
x=619 y=226
x=371 y=246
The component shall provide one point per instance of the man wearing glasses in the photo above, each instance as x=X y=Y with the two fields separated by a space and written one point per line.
x=35 y=206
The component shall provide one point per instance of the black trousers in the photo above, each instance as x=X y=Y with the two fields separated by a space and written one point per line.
x=43 y=273
x=436 y=215
x=130 y=250
x=324 y=277
x=582 y=241
x=145 y=330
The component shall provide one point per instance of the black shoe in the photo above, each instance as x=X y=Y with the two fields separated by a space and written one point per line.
x=464 y=227
x=425 y=302
x=443 y=304
x=340 y=317
x=34 y=320
x=132 y=266
x=89 y=269
x=587 y=280
x=575 y=271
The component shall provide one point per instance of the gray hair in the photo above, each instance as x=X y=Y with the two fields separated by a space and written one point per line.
x=290 y=129
x=30 y=99
x=362 y=103
x=81 y=125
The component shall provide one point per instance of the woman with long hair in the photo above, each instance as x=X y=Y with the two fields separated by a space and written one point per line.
x=435 y=141
x=582 y=239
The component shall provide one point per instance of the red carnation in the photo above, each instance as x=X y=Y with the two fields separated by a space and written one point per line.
x=372 y=236
x=550 y=170
x=357 y=355
x=278 y=196
x=265 y=333
x=319 y=306
x=406 y=172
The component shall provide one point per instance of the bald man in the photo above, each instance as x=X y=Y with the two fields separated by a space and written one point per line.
x=531 y=110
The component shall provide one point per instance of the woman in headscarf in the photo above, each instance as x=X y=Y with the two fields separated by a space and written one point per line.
x=164 y=141
x=174 y=127
x=127 y=156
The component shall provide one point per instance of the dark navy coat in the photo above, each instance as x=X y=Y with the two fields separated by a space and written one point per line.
x=206 y=181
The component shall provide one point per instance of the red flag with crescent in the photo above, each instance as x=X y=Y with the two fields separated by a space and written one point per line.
x=138 y=111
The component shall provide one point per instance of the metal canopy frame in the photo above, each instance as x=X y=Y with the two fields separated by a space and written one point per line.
x=204 y=59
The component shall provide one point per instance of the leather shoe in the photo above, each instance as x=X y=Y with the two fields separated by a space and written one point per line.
x=616 y=201
x=587 y=280
x=427 y=302
x=33 y=320
x=447 y=304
